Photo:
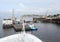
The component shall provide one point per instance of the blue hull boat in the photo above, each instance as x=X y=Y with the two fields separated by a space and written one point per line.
x=33 y=27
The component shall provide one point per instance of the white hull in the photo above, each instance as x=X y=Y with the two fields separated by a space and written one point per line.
x=7 y=22
x=23 y=37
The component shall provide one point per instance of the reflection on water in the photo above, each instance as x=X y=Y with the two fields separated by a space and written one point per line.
x=47 y=32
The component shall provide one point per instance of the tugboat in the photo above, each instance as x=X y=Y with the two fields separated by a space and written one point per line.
x=21 y=37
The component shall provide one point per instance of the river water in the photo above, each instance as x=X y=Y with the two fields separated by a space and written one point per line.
x=47 y=32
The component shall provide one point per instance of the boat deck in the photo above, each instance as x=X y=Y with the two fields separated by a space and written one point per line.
x=18 y=27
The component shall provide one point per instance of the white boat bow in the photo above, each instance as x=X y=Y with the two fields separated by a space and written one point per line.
x=23 y=37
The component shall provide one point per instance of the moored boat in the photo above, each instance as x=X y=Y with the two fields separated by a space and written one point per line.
x=32 y=26
x=7 y=23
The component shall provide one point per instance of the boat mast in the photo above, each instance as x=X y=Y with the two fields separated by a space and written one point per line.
x=13 y=17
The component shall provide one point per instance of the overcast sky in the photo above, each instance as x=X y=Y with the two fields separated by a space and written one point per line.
x=30 y=6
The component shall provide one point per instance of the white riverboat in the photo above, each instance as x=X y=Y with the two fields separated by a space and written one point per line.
x=7 y=23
